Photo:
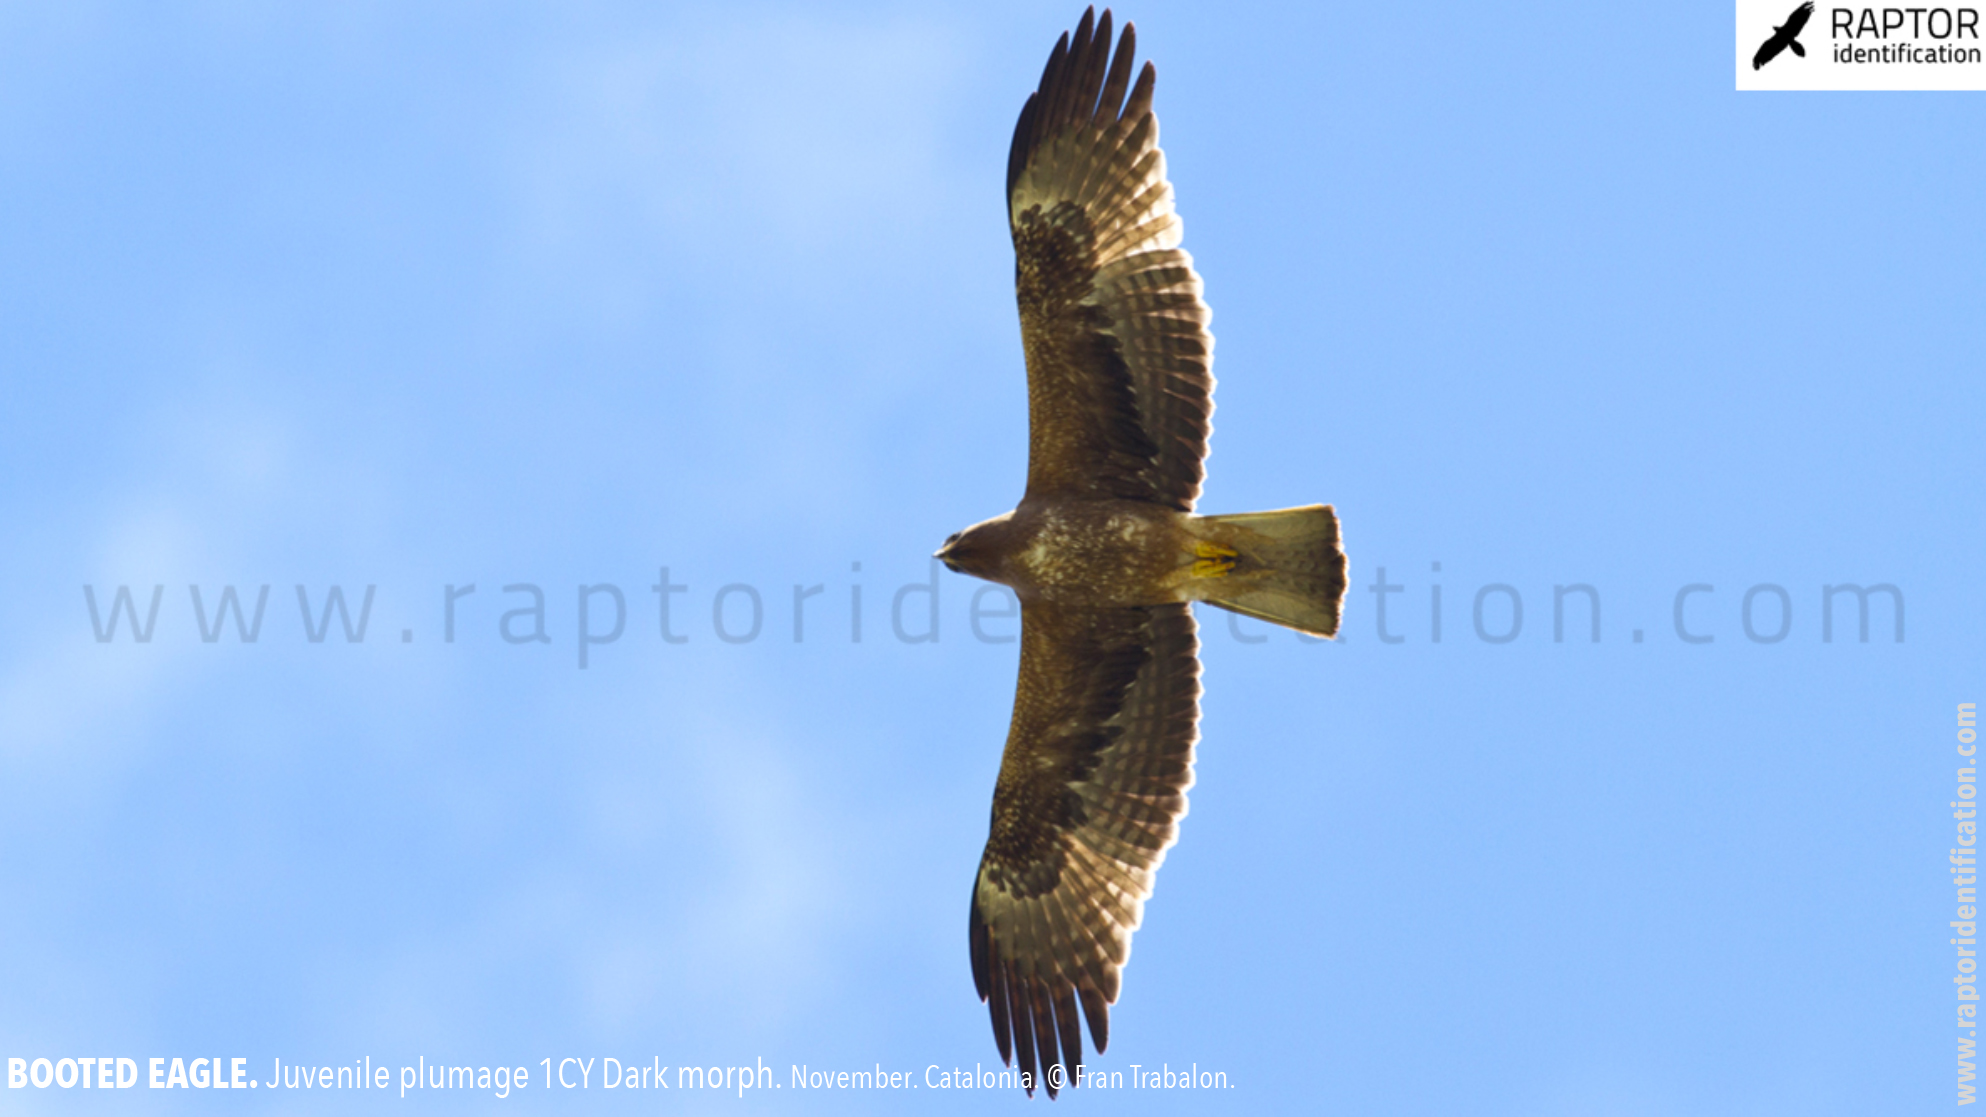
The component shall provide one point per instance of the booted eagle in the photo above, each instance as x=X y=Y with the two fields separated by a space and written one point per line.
x=1106 y=556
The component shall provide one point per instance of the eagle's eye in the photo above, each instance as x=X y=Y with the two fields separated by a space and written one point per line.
x=953 y=538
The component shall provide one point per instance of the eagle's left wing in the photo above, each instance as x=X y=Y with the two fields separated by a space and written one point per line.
x=1091 y=790
x=1119 y=359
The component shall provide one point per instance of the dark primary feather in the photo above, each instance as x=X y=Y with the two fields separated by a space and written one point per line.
x=1092 y=786
x=1120 y=387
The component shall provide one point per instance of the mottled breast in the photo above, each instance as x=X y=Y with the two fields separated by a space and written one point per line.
x=1104 y=553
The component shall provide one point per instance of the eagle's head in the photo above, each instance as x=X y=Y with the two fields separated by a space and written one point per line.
x=978 y=550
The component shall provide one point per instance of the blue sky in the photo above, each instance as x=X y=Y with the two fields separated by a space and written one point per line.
x=561 y=297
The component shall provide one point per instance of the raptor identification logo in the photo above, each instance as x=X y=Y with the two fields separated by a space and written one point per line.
x=1788 y=45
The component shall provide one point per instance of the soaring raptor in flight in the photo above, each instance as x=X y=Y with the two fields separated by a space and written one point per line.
x=1106 y=556
x=1785 y=35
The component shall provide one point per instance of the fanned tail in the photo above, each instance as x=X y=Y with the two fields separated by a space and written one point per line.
x=1285 y=567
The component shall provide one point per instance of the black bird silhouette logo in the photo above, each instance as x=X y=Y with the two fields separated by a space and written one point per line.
x=1786 y=36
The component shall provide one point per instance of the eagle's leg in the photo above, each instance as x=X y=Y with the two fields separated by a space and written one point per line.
x=1211 y=560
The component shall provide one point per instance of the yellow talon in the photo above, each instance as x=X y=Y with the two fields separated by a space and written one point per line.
x=1212 y=559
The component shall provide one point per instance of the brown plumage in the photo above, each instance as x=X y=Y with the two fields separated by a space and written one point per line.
x=1106 y=556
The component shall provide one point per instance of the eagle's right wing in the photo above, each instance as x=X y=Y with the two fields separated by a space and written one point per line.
x=1091 y=790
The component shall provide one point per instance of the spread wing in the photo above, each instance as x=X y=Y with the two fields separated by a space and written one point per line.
x=1768 y=50
x=1091 y=790
x=1118 y=354
x=1797 y=21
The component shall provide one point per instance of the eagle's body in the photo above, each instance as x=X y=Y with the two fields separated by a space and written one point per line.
x=1106 y=556
x=1089 y=554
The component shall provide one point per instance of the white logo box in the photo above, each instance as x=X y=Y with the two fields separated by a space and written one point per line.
x=1860 y=46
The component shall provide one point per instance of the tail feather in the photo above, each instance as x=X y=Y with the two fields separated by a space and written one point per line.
x=1288 y=567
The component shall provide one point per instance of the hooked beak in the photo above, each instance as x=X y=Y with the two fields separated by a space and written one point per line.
x=944 y=553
